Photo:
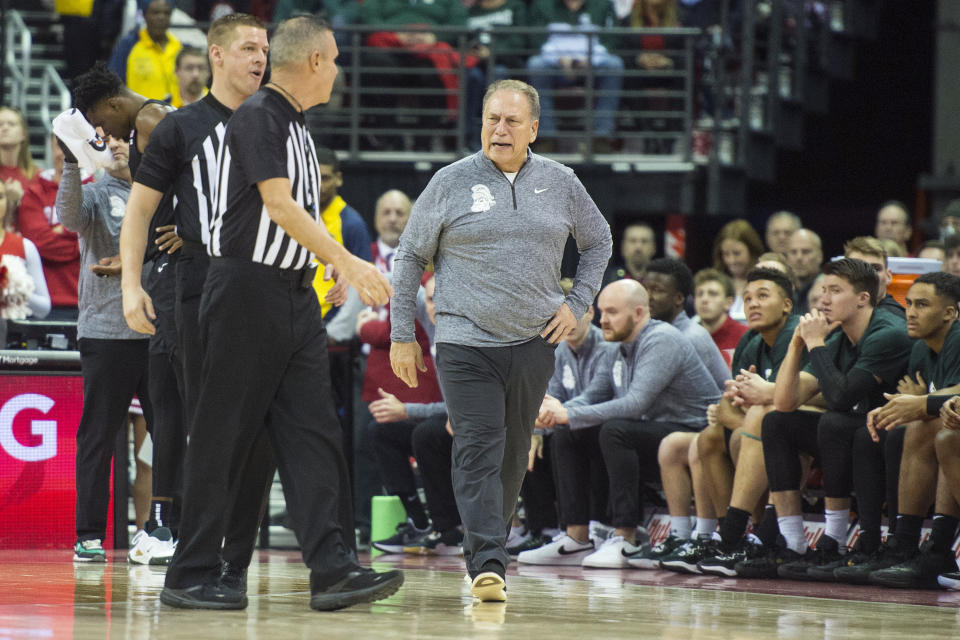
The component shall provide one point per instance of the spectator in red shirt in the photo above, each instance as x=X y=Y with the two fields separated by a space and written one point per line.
x=713 y=296
x=12 y=243
x=392 y=210
x=58 y=246
x=16 y=165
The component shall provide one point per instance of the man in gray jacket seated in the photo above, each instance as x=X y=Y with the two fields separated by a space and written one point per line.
x=656 y=385
x=669 y=283
x=581 y=476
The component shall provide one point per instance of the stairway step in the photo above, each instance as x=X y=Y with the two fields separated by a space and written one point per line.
x=46 y=51
x=29 y=16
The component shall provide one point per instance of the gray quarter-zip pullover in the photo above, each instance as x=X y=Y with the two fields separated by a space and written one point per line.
x=496 y=248
x=657 y=377
x=95 y=212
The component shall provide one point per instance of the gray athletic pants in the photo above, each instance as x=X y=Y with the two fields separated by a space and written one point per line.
x=493 y=395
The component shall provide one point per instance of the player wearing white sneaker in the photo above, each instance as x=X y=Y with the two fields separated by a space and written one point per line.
x=614 y=553
x=140 y=548
x=89 y=551
x=563 y=551
x=154 y=548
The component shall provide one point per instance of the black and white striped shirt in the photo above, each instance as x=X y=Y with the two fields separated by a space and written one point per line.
x=266 y=138
x=182 y=156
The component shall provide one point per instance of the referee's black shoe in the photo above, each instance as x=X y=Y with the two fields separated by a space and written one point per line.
x=233 y=576
x=357 y=587
x=204 y=596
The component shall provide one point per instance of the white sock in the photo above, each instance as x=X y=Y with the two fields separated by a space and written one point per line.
x=680 y=527
x=580 y=542
x=838 y=522
x=791 y=527
x=706 y=526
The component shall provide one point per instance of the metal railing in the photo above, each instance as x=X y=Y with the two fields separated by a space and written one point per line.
x=17 y=85
x=50 y=81
x=421 y=102
x=18 y=65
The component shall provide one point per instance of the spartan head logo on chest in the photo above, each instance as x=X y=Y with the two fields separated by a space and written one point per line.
x=482 y=198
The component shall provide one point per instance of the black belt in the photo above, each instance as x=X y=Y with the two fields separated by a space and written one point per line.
x=304 y=277
x=193 y=249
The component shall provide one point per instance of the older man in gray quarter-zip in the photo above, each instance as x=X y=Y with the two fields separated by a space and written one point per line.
x=495 y=225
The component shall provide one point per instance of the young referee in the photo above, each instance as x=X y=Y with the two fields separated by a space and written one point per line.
x=180 y=159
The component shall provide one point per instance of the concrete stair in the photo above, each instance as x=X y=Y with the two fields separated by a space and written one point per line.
x=46 y=49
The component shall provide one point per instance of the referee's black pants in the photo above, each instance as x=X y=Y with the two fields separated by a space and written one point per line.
x=113 y=371
x=245 y=515
x=493 y=395
x=190 y=271
x=265 y=368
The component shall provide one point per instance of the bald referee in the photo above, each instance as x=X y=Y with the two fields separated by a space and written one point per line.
x=265 y=363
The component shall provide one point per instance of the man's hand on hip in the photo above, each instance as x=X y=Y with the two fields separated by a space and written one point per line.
x=560 y=326
x=406 y=358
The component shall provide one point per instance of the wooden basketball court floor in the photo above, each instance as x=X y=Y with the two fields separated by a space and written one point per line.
x=45 y=595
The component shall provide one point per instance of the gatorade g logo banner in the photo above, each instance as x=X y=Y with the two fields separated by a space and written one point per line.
x=38 y=427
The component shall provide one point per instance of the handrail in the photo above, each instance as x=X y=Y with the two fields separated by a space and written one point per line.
x=17 y=27
x=500 y=29
x=51 y=77
x=17 y=84
x=371 y=28
x=377 y=130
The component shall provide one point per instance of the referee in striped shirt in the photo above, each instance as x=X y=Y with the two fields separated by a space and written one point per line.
x=180 y=164
x=265 y=364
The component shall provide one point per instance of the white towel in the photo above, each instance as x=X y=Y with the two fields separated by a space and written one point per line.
x=81 y=138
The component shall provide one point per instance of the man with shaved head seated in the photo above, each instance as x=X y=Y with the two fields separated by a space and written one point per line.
x=654 y=385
